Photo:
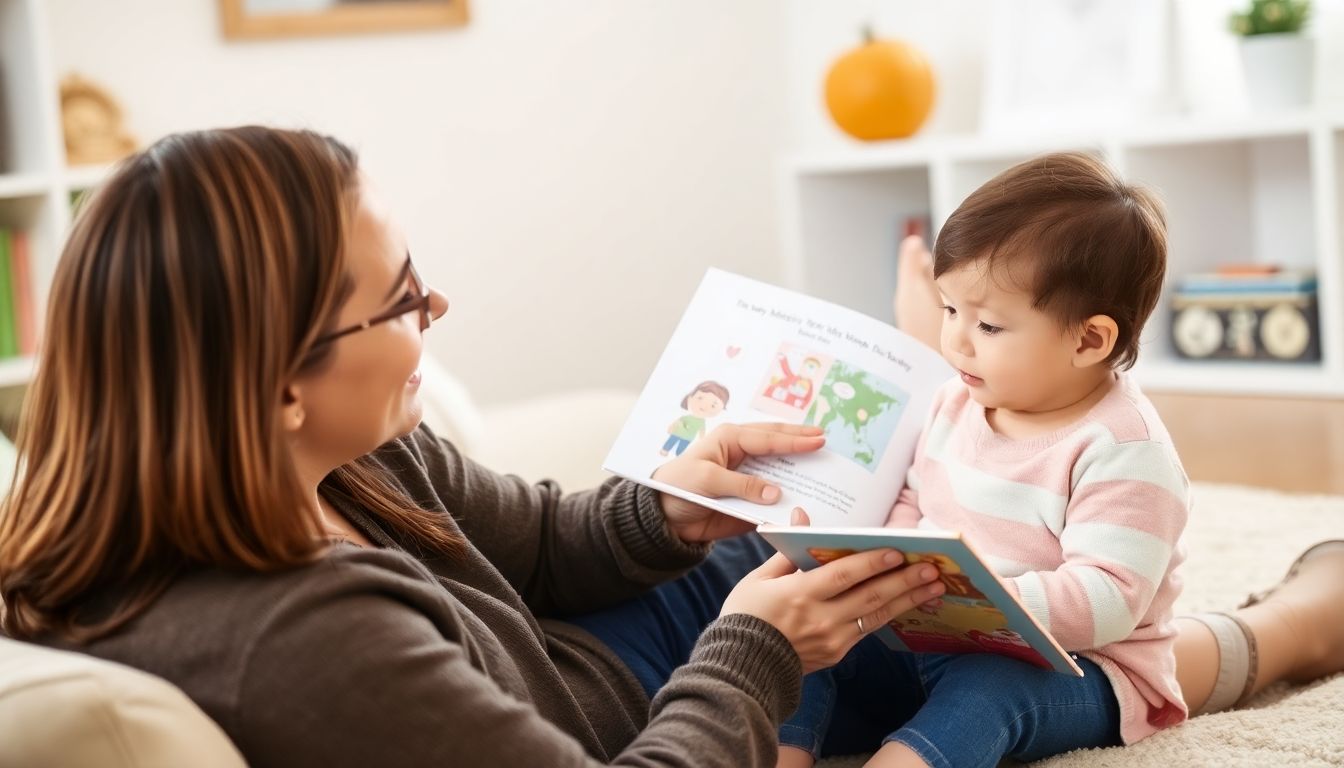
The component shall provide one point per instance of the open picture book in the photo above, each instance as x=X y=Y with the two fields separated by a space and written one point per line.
x=748 y=352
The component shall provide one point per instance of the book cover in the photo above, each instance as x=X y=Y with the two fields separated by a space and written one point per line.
x=25 y=314
x=747 y=352
x=9 y=340
x=977 y=613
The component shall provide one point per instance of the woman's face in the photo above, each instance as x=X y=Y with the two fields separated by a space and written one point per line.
x=367 y=391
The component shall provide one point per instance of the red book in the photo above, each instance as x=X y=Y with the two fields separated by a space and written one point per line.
x=22 y=284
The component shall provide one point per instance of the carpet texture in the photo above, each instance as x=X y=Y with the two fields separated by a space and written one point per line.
x=1239 y=540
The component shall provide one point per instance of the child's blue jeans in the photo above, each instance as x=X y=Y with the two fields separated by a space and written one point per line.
x=963 y=710
x=952 y=710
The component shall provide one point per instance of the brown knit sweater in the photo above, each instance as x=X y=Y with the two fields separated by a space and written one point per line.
x=377 y=657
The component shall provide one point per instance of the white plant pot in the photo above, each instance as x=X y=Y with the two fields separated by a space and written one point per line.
x=1279 y=70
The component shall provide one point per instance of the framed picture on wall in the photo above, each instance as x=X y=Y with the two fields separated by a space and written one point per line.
x=1057 y=65
x=287 y=18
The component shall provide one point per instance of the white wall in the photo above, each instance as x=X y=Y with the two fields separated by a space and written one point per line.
x=565 y=171
x=956 y=35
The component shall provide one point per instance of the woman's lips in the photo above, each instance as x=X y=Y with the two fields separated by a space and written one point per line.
x=971 y=381
x=414 y=381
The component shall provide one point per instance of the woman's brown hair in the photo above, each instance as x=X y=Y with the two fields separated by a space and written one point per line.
x=191 y=291
x=1069 y=230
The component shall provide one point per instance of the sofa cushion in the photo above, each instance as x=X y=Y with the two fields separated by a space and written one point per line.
x=66 y=709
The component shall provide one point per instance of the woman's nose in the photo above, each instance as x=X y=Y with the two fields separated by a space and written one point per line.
x=438 y=304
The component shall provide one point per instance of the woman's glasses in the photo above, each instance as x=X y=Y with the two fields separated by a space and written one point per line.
x=417 y=298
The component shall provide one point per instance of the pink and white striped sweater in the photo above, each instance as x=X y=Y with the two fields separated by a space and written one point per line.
x=1084 y=525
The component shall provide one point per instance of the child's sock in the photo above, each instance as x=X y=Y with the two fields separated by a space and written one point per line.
x=1237 y=661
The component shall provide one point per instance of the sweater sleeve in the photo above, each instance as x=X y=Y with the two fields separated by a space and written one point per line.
x=367 y=663
x=563 y=553
x=1126 y=513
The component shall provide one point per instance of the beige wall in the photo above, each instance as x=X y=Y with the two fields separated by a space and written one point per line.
x=565 y=170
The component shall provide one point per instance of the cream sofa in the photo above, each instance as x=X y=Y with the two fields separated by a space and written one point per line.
x=63 y=709
x=67 y=710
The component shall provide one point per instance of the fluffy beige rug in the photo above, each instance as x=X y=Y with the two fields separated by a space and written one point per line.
x=1239 y=540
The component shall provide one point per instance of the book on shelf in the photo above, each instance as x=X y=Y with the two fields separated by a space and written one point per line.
x=1272 y=280
x=748 y=352
x=17 y=321
x=25 y=313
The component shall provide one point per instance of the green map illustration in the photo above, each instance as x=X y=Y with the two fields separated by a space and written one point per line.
x=858 y=412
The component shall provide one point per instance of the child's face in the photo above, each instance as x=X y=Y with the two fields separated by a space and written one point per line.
x=704 y=404
x=1011 y=355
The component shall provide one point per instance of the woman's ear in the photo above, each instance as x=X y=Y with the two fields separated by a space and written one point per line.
x=291 y=408
x=1095 y=341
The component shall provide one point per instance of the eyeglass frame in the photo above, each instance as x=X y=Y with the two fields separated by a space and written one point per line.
x=420 y=302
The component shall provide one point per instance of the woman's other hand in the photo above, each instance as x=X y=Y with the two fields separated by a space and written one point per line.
x=708 y=469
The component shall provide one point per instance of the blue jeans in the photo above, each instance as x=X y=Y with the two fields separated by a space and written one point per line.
x=952 y=710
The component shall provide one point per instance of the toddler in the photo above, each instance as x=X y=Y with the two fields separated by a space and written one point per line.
x=1049 y=459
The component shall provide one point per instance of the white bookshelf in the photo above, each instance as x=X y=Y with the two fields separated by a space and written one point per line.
x=1256 y=189
x=35 y=185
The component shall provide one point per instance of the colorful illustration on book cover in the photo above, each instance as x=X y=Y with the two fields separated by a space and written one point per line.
x=964 y=626
x=858 y=412
x=791 y=382
x=964 y=622
x=706 y=401
x=957 y=583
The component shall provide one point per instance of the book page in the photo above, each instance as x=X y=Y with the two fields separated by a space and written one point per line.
x=748 y=352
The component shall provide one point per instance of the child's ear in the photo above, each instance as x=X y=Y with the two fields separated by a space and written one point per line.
x=1095 y=340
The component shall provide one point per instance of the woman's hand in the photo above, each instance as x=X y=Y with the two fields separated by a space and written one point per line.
x=819 y=611
x=707 y=468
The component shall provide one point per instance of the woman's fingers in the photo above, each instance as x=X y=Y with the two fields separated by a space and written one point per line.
x=840 y=576
x=788 y=429
x=755 y=441
x=776 y=567
x=888 y=595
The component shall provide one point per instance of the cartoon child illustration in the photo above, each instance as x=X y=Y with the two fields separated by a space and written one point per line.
x=706 y=401
x=794 y=389
x=958 y=584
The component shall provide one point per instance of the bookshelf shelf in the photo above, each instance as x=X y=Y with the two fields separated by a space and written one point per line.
x=15 y=371
x=1266 y=189
x=16 y=185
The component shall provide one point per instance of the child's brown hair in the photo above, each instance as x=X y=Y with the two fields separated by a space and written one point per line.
x=1074 y=235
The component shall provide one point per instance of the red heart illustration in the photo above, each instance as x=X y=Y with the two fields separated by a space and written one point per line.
x=733 y=350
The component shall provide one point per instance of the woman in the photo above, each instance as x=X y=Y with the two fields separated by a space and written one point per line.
x=233 y=332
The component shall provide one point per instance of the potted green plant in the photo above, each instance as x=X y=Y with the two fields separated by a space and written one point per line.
x=1279 y=60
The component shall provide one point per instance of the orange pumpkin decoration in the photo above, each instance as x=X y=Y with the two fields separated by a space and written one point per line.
x=880 y=90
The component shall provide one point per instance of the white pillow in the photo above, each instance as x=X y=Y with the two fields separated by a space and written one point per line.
x=71 y=710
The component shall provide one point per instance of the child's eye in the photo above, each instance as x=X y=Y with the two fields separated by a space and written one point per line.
x=951 y=311
x=989 y=330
